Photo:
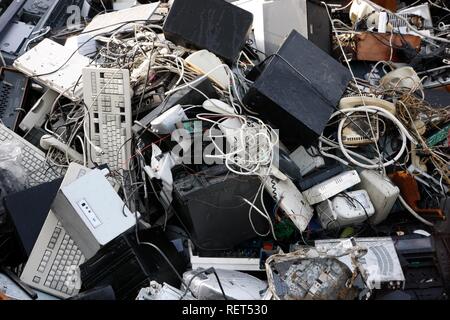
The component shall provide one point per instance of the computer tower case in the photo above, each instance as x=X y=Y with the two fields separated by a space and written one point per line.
x=318 y=25
x=297 y=90
x=128 y=267
x=210 y=206
x=215 y=25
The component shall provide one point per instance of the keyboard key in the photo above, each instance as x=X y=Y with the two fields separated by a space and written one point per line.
x=36 y=279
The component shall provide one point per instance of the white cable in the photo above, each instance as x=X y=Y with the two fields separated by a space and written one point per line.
x=438 y=6
x=84 y=151
x=359 y=164
x=262 y=214
x=200 y=79
x=372 y=131
x=412 y=28
x=413 y=213
x=253 y=149
x=387 y=114
x=322 y=140
x=2 y=59
x=370 y=109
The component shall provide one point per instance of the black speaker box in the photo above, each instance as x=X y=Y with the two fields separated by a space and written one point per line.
x=298 y=89
x=215 y=25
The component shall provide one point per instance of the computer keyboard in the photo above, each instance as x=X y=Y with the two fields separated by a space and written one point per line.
x=108 y=98
x=32 y=159
x=52 y=265
x=53 y=261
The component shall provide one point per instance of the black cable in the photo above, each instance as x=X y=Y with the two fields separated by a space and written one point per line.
x=349 y=198
x=138 y=241
x=146 y=78
x=388 y=44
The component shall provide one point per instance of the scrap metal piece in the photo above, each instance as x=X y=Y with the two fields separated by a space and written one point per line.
x=311 y=274
x=165 y=291
x=236 y=285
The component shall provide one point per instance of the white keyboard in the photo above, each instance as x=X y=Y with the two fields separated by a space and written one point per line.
x=32 y=159
x=53 y=263
x=107 y=95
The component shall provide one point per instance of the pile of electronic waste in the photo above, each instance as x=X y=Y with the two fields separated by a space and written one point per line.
x=212 y=149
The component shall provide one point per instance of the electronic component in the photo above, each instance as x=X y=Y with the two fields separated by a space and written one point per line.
x=309 y=275
x=404 y=77
x=37 y=115
x=211 y=206
x=27 y=223
x=127 y=267
x=236 y=285
x=321 y=175
x=9 y=13
x=346 y=209
x=332 y=187
x=34 y=10
x=427 y=180
x=410 y=192
x=91 y=221
x=358 y=101
x=51 y=13
x=287 y=167
x=119 y=20
x=123 y=4
x=439 y=136
x=422 y=10
x=222 y=28
x=291 y=83
x=24 y=22
x=13 y=33
x=49 y=141
x=382 y=193
x=13 y=39
x=307 y=160
x=358 y=131
x=425 y=263
x=359 y=10
x=54 y=66
x=13 y=91
x=55 y=255
x=274 y=20
x=166 y=123
x=188 y=96
x=10 y=290
x=108 y=98
x=436 y=78
x=32 y=159
x=380 y=266
x=162 y=292
x=217 y=106
x=248 y=256
x=392 y=23
x=291 y=201
x=206 y=62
